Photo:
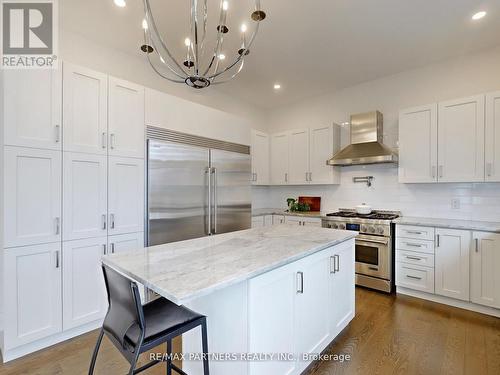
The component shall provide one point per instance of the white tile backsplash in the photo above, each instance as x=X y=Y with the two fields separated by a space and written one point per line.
x=478 y=201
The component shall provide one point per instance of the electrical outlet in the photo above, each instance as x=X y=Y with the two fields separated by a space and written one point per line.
x=455 y=203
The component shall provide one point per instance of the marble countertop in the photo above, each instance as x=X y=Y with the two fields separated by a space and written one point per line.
x=185 y=270
x=485 y=226
x=282 y=211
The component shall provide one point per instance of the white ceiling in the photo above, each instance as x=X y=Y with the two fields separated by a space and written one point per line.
x=309 y=46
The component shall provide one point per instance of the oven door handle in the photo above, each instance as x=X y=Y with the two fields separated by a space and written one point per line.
x=367 y=241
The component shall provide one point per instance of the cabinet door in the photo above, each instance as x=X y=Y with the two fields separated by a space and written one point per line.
x=493 y=137
x=271 y=308
x=85 y=110
x=321 y=148
x=279 y=159
x=257 y=221
x=126 y=119
x=125 y=242
x=268 y=220
x=260 y=158
x=312 y=329
x=311 y=221
x=418 y=135
x=85 y=193
x=461 y=140
x=296 y=220
x=278 y=219
x=299 y=157
x=485 y=263
x=33 y=302
x=32 y=108
x=32 y=211
x=341 y=293
x=84 y=293
x=452 y=263
x=125 y=195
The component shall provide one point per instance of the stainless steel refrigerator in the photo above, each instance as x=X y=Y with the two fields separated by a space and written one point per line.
x=196 y=187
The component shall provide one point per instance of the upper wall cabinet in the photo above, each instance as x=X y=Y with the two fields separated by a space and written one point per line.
x=492 y=144
x=443 y=142
x=85 y=110
x=299 y=156
x=260 y=158
x=32 y=108
x=126 y=119
x=279 y=158
x=418 y=144
x=461 y=140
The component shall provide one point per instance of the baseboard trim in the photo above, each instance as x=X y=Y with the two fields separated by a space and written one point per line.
x=449 y=301
x=21 y=351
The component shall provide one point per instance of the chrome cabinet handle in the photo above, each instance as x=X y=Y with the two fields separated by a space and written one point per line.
x=104 y=252
x=103 y=140
x=412 y=258
x=112 y=221
x=413 y=232
x=413 y=277
x=310 y=176
x=489 y=169
x=209 y=199
x=57 y=225
x=332 y=264
x=476 y=240
x=438 y=240
x=300 y=282
x=441 y=169
x=337 y=262
x=58 y=133
x=112 y=141
x=256 y=178
x=112 y=248
x=214 y=171
x=433 y=171
x=286 y=177
x=57 y=259
x=103 y=221
x=307 y=176
x=413 y=244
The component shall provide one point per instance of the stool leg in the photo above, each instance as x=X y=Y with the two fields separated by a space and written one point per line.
x=169 y=359
x=204 y=339
x=96 y=350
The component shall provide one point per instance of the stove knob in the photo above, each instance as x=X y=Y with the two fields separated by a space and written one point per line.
x=362 y=228
x=335 y=226
x=341 y=226
x=380 y=230
x=371 y=229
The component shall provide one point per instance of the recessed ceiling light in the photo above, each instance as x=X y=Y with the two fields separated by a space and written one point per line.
x=277 y=86
x=120 y=3
x=144 y=24
x=479 y=15
x=187 y=42
x=222 y=56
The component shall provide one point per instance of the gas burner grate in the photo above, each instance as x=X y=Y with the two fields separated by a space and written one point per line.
x=373 y=215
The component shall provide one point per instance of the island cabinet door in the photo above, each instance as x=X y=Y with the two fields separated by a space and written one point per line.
x=271 y=317
x=311 y=320
x=484 y=266
x=342 y=295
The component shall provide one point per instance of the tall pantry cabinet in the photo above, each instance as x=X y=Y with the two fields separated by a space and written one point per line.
x=73 y=190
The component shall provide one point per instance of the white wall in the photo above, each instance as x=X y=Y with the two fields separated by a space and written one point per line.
x=451 y=79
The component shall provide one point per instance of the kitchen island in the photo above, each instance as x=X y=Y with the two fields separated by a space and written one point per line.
x=267 y=292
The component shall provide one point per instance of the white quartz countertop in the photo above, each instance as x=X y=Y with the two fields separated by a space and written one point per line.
x=182 y=271
x=485 y=226
x=282 y=211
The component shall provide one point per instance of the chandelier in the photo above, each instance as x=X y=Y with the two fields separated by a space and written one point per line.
x=202 y=65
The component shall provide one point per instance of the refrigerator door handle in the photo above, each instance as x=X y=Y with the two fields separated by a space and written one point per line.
x=209 y=203
x=214 y=170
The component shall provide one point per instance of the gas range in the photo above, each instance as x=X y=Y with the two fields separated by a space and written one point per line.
x=374 y=245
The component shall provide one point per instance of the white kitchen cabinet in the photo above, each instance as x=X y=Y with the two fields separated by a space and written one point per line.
x=85 y=110
x=461 y=140
x=272 y=305
x=484 y=269
x=492 y=145
x=279 y=219
x=279 y=158
x=84 y=293
x=312 y=325
x=304 y=221
x=32 y=108
x=32 y=290
x=342 y=282
x=258 y=221
x=260 y=158
x=298 y=163
x=452 y=263
x=125 y=195
x=418 y=135
x=268 y=220
x=125 y=242
x=85 y=191
x=126 y=119
x=324 y=142
x=32 y=196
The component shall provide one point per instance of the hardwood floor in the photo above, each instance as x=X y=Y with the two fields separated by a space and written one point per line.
x=389 y=335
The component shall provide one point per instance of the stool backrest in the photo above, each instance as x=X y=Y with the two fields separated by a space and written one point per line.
x=125 y=307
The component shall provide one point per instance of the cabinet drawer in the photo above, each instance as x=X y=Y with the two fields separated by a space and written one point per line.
x=415 y=277
x=421 y=246
x=412 y=257
x=416 y=232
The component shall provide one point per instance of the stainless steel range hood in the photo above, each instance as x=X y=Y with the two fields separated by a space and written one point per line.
x=366 y=143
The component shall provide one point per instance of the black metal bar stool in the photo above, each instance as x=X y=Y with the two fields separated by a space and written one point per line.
x=135 y=328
